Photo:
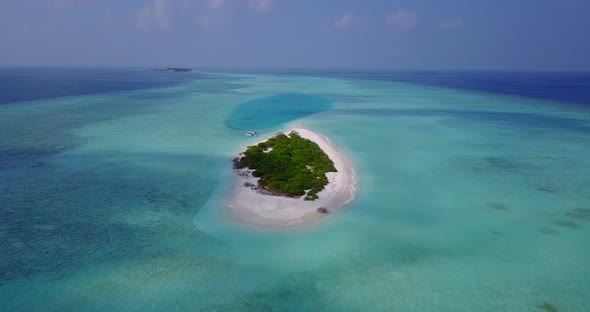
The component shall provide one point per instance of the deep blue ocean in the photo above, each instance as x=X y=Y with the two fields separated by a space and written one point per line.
x=26 y=84
x=472 y=191
x=572 y=87
x=29 y=84
x=558 y=86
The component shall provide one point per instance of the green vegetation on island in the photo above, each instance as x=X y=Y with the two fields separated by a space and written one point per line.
x=288 y=166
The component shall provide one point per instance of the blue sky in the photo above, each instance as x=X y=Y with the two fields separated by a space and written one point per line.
x=350 y=34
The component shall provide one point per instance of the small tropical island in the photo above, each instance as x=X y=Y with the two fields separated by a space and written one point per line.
x=295 y=177
x=288 y=165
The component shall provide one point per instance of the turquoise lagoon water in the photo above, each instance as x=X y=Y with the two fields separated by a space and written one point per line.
x=467 y=201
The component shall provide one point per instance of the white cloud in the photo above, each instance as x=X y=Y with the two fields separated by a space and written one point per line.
x=451 y=25
x=61 y=4
x=209 y=22
x=156 y=15
x=216 y=5
x=345 y=21
x=204 y=14
x=144 y=17
x=402 y=19
x=260 y=5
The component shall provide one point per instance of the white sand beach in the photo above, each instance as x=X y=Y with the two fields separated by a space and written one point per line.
x=250 y=207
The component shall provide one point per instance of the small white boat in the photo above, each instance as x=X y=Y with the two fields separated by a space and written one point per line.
x=251 y=133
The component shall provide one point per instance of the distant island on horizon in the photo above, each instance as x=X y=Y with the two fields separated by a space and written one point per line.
x=174 y=69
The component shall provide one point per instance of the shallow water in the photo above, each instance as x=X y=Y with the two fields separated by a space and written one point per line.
x=467 y=201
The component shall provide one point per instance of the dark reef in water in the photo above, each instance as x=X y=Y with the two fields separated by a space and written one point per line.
x=547 y=307
x=546 y=189
x=497 y=206
x=549 y=231
x=566 y=223
x=579 y=214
